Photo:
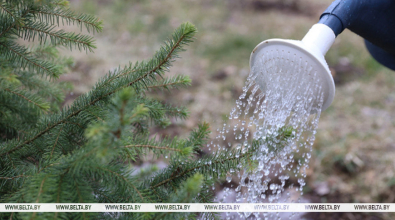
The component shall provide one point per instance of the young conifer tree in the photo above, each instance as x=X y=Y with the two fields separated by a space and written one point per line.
x=84 y=153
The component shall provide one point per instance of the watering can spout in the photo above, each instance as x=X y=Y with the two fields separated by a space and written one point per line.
x=372 y=20
x=319 y=39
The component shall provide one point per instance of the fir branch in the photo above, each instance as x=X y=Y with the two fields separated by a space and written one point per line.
x=98 y=118
x=17 y=113
x=14 y=24
x=43 y=88
x=28 y=141
x=157 y=110
x=43 y=105
x=157 y=194
x=52 y=164
x=40 y=190
x=106 y=197
x=199 y=136
x=168 y=56
x=215 y=162
x=78 y=191
x=5 y=7
x=117 y=74
x=58 y=193
x=56 y=141
x=183 y=35
x=128 y=182
x=166 y=146
x=68 y=16
x=12 y=163
x=57 y=37
x=19 y=54
x=14 y=177
x=73 y=123
x=189 y=189
x=161 y=61
x=171 y=83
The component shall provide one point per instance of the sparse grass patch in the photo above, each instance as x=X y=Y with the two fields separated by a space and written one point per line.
x=233 y=49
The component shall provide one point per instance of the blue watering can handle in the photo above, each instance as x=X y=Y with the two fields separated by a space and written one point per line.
x=373 y=20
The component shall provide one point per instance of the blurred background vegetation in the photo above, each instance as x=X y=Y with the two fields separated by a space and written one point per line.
x=354 y=152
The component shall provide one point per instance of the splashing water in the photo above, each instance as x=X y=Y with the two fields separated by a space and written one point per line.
x=274 y=124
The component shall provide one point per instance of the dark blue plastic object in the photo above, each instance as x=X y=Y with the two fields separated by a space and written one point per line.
x=382 y=56
x=373 y=20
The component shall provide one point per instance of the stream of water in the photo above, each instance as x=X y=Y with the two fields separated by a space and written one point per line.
x=277 y=115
